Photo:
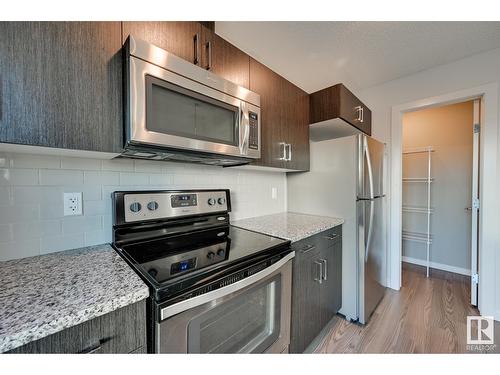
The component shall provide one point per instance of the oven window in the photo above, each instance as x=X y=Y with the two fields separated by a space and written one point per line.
x=247 y=323
x=174 y=110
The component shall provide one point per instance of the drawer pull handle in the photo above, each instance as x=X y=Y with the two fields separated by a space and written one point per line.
x=332 y=237
x=92 y=349
x=95 y=348
x=307 y=249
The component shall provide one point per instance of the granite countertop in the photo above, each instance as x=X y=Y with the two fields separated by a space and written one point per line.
x=288 y=225
x=45 y=294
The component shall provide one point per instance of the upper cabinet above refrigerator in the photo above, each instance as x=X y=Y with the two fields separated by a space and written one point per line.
x=336 y=112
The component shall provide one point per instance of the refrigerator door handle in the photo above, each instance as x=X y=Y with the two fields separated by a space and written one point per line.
x=370 y=182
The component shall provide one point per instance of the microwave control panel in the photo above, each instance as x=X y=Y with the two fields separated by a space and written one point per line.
x=254 y=130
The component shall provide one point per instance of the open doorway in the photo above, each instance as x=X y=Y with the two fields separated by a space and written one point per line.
x=440 y=169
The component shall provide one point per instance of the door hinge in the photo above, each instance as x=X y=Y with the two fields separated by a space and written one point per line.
x=475 y=278
x=475 y=203
x=477 y=128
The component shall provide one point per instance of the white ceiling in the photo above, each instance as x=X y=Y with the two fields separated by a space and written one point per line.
x=314 y=55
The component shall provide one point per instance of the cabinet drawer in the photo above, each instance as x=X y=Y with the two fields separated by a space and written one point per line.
x=120 y=331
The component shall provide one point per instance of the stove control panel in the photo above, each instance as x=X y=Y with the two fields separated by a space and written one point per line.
x=154 y=205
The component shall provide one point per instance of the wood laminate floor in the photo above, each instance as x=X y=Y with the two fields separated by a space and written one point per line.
x=428 y=315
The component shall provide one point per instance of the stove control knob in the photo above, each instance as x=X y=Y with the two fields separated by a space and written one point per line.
x=221 y=200
x=152 y=206
x=211 y=255
x=221 y=252
x=211 y=201
x=135 y=207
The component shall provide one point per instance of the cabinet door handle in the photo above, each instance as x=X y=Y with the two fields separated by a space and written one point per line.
x=320 y=278
x=332 y=236
x=196 y=43
x=359 y=109
x=362 y=114
x=289 y=147
x=209 y=55
x=307 y=249
x=282 y=151
x=324 y=263
x=95 y=348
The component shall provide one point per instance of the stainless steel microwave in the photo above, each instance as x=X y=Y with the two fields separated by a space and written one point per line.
x=175 y=110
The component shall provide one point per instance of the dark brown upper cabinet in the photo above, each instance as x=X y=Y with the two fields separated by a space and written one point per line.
x=334 y=107
x=182 y=38
x=284 y=120
x=61 y=85
x=197 y=43
x=224 y=59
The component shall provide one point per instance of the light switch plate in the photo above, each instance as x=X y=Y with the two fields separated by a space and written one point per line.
x=72 y=204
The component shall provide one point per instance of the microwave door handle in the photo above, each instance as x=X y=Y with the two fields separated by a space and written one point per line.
x=244 y=129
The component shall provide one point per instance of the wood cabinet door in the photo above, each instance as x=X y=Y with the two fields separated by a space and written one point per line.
x=306 y=299
x=222 y=58
x=295 y=124
x=349 y=110
x=268 y=85
x=182 y=38
x=331 y=289
x=61 y=85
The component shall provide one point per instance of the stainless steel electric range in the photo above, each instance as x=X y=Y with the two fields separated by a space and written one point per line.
x=214 y=288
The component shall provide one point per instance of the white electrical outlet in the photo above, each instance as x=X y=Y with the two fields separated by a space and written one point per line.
x=274 y=193
x=72 y=204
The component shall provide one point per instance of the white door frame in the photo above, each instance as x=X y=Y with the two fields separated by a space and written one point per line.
x=488 y=192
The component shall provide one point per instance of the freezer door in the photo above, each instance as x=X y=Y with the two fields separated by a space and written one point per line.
x=371 y=167
x=371 y=257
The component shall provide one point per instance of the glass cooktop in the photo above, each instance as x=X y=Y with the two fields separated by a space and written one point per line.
x=175 y=257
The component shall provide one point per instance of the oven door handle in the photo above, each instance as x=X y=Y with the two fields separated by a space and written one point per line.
x=218 y=293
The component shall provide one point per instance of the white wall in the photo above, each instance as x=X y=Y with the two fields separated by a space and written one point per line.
x=480 y=69
x=32 y=186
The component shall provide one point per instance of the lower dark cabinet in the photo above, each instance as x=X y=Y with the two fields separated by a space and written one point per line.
x=120 y=331
x=317 y=286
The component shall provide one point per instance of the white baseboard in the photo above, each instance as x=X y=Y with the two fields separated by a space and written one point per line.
x=438 y=266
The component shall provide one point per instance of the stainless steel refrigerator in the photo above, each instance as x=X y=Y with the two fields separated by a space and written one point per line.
x=346 y=180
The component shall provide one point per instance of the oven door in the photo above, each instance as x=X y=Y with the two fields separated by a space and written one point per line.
x=169 y=110
x=249 y=316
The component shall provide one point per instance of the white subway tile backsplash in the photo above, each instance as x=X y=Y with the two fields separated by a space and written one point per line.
x=35 y=229
x=37 y=194
x=18 y=176
x=5 y=197
x=31 y=196
x=19 y=249
x=5 y=233
x=134 y=178
x=58 y=243
x=18 y=213
x=97 y=237
x=51 y=210
x=98 y=178
x=60 y=177
x=38 y=162
x=93 y=208
x=78 y=224
x=161 y=179
x=118 y=165
x=149 y=166
x=81 y=163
